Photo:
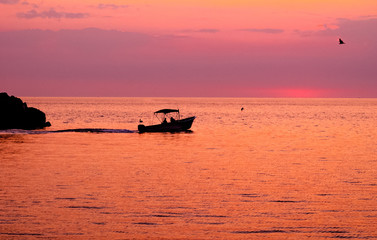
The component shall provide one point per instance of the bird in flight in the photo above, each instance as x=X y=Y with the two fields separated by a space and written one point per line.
x=341 y=41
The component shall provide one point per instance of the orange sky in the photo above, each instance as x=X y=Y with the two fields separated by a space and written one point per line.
x=169 y=16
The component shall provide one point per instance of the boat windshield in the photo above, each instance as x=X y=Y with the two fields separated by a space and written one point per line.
x=167 y=114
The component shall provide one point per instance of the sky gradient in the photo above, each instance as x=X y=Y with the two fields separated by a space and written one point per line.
x=276 y=48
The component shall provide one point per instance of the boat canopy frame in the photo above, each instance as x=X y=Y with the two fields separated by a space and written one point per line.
x=162 y=114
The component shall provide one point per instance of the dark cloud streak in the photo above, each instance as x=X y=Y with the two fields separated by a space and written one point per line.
x=111 y=6
x=263 y=30
x=202 y=30
x=362 y=29
x=208 y=30
x=9 y=1
x=51 y=14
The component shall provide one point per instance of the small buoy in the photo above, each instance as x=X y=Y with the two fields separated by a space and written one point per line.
x=242 y=109
x=341 y=41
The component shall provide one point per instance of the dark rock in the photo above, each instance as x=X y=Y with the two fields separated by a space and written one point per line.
x=15 y=114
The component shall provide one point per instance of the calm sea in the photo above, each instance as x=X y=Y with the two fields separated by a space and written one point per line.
x=279 y=169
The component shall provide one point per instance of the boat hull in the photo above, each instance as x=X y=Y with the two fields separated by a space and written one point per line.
x=176 y=126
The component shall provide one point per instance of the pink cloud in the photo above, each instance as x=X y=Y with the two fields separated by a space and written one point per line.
x=95 y=62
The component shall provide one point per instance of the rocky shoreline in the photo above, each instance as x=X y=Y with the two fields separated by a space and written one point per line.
x=15 y=114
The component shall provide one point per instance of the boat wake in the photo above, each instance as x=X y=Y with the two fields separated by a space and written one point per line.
x=95 y=130
x=78 y=130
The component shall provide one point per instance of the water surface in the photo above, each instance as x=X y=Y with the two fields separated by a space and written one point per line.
x=279 y=169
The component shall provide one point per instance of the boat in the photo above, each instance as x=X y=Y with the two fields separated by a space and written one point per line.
x=170 y=122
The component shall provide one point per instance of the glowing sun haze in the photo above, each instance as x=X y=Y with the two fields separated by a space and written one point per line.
x=239 y=48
